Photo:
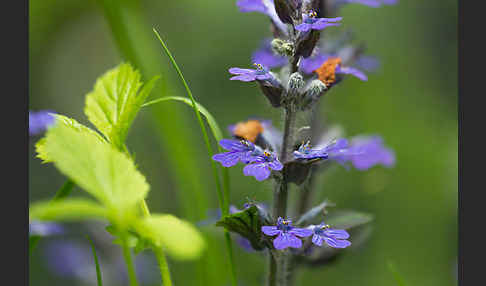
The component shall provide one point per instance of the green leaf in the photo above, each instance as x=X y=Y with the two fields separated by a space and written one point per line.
x=115 y=101
x=67 y=122
x=347 y=219
x=96 y=166
x=247 y=223
x=179 y=238
x=67 y=210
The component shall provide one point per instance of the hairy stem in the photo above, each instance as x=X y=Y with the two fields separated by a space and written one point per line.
x=277 y=270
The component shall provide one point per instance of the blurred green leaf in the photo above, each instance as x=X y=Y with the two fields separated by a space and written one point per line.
x=313 y=212
x=97 y=167
x=67 y=210
x=115 y=101
x=247 y=223
x=347 y=219
x=180 y=238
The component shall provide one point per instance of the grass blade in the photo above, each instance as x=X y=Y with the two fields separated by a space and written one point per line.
x=97 y=264
x=223 y=197
x=398 y=277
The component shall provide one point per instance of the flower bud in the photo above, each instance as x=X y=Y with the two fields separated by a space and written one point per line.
x=315 y=90
x=283 y=48
x=296 y=83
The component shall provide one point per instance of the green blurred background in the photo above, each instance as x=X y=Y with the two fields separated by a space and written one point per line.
x=411 y=101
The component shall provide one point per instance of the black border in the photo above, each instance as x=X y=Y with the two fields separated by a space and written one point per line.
x=15 y=139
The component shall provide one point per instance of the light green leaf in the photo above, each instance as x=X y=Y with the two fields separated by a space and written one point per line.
x=115 y=101
x=179 y=238
x=68 y=123
x=96 y=166
x=67 y=210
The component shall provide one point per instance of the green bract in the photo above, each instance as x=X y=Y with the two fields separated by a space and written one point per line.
x=116 y=99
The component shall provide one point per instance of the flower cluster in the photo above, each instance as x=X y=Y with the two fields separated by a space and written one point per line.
x=257 y=142
x=289 y=236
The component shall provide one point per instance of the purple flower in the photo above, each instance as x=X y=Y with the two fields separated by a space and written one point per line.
x=39 y=121
x=261 y=165
x=267 y=57
x=311 y=22
x=370 y=3
x=333 y=237
x=266 y=7
x=239 y=150
x=287 y=234
x=310 y=64
x=261 y=73
x=368 y=151
x=335 y=150
x=44 y=228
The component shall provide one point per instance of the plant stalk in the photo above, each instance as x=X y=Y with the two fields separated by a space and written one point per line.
x=277 y=270
x=164 y=267
x=127 y=255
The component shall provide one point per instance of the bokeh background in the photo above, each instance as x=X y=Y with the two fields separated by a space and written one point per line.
x=411 y=101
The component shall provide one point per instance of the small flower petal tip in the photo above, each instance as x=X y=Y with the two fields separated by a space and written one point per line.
x=335 y=238
x=39 y=121
x=288 y=236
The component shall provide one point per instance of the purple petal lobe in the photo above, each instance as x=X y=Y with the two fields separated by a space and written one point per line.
x=317 y=240
x=353 y=71
x=258 y=170
x=337 y=233
x=270 y=230
x=275 y=165
x=301 y=232
x=285 y=240
x=336 y=243
x=240 y=71
x=304 y=27
x=244 y=77
x=228 y=159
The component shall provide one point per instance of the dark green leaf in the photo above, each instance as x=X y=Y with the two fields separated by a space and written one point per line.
x=247 y=223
